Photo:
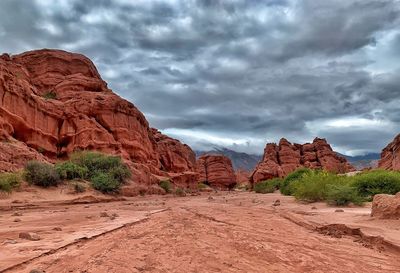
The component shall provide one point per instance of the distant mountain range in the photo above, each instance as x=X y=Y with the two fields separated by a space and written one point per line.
x=248 y=162
x=241 y=161
x=363 y=161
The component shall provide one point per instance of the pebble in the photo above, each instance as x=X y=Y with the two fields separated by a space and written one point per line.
x=104 y=214
x=29 y=236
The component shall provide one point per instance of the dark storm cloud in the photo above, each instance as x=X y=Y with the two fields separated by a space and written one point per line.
x=235 y=73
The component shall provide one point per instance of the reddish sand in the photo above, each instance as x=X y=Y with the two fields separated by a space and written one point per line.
x=227 y=232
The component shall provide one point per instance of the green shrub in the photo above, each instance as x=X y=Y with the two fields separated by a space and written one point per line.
x=79 y=187
x=343 y=194
x=70 y=170
x=106 y=173
x=166 y=185
x=314 y=186
x=41 y=174
x=105 y=183
x=268 y=186
x=9 y=181
x=96 y=162
x=378 y=181
x=286 y=185
x=120 y=173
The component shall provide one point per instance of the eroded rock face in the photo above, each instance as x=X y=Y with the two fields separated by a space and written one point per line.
x=242 y=177
x=216 y=170
x=174 y=156
x=390 y=156
x=386 y=206
x=284 y=158
x=55 y=102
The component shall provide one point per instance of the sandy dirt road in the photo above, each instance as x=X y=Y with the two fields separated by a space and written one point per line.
x=228 y=232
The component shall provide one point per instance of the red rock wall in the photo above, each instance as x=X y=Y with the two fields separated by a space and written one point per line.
x=284 y=158
x=242 y=177
x=390 y=156
x=85 y=115
x=216 y=170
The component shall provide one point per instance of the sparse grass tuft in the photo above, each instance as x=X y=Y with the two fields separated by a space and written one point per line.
x=166 y=185
x=180 y=192
x=9 y=181
x=50 y=95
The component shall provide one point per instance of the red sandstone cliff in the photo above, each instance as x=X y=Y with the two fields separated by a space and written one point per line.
x=282 y=159
x=390 y=156
x=54 y=102
x=216 y=170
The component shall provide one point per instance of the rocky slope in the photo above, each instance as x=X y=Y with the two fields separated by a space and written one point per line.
x=390 y=156
x=282 y=159
x=54 y=102
x=216 y=171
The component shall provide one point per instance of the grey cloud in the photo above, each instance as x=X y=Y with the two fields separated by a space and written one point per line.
x=244 y=70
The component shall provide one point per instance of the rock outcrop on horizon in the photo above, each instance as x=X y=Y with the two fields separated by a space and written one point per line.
x=390 y=156
x=216 y=170
x=53 y=103
x=282 y=159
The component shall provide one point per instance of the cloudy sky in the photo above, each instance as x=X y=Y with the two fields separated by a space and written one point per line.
x=236 y=73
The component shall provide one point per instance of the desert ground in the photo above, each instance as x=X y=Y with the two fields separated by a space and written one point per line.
x=208 y=232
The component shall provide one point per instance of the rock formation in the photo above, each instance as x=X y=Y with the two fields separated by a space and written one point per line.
x=390 y=156
x=54 y=102
x=282 y=159
x=177 y=159
x=386 y=206
x=216 y=171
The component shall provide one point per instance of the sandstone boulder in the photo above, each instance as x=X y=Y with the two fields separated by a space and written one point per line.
x=386 y=206
x=216 y=171
x=284 y=158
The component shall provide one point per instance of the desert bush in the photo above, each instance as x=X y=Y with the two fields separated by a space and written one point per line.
x=314 y=186
x=180 y=192
x=70 y=170
x=96 y=162
x=79 y=187
x=286 y=185
x=166 y=185
x=378 y=181
x=106 y=173
x=268 y=186
x=120 y=173
x=9 y=181
x=343 y=194
x=41 y=174
x=105 y=183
